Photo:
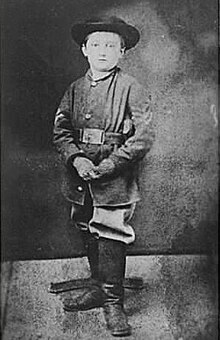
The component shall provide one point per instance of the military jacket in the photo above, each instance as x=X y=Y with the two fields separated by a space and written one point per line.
x=116 y=103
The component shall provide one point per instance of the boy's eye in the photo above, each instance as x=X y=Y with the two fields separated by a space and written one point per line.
x=96 y=44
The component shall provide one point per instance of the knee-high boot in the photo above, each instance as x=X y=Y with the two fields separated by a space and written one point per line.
x=93 y=296
x=112 y=262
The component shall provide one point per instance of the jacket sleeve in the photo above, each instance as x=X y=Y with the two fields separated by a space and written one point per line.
x=63 y=137
x=136 y=146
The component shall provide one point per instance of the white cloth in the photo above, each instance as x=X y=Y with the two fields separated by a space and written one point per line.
x=112 y=223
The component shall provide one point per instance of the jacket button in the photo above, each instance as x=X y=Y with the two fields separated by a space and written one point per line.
x=88 y=116
x=79 y=188
x=93 y=83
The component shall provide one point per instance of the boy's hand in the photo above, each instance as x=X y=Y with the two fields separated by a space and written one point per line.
x=106 y=167
x=83 y=166
x=88 y=171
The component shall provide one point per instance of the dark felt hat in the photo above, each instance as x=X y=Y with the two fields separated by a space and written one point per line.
x=113 y=24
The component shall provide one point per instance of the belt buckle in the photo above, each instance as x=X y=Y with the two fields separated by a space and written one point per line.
x=93 y=136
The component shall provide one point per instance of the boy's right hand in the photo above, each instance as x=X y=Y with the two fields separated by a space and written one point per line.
x=83 y=166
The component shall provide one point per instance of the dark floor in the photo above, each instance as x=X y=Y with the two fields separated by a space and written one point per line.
x=178 y=302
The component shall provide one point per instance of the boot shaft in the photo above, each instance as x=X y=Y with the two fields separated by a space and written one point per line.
x=93 y=257
x=112 y=261
x=92 y=252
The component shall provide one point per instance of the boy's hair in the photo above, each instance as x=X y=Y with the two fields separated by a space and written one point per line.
x=123 y=45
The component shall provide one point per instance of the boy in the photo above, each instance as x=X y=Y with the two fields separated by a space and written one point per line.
x=103 y=127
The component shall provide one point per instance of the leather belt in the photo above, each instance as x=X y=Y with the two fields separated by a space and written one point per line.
x=97 y=136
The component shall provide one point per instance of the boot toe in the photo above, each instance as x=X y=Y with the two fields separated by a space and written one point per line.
x=89 y=300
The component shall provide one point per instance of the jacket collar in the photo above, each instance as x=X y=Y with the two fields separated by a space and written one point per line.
x=111 y=73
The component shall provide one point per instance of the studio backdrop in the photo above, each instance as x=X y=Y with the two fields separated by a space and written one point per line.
x=176 y=60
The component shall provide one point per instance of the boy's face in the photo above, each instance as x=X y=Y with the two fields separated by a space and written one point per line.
x=103 y=50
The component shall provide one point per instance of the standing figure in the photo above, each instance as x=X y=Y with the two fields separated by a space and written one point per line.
x=103 y=128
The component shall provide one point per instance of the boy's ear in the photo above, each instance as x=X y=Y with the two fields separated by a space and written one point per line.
x=84 y=50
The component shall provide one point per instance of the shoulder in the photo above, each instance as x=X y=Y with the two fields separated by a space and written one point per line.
x=76 y=82
x=136 y=91
x=79 y=80
x=128 y=79
x=123 y=76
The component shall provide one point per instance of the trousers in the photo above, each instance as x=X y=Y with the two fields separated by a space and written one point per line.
x=109 y=222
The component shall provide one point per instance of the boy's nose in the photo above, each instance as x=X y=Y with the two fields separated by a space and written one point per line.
x=102 y=50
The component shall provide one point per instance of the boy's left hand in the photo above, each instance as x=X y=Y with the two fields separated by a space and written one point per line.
x=106 y=167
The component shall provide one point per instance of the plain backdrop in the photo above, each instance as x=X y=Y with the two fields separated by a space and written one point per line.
x=176 y=60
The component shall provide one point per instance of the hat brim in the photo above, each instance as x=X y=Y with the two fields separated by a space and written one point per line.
x=129 y=33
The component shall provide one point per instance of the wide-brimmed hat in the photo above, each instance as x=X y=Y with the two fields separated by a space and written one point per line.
x=113 y=24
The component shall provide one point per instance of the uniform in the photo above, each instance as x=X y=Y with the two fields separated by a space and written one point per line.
x=118 y=107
